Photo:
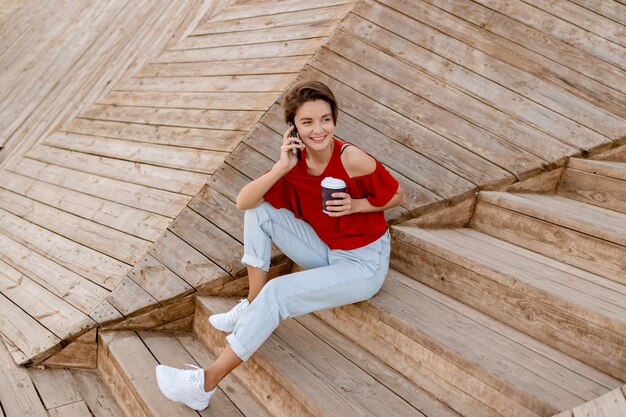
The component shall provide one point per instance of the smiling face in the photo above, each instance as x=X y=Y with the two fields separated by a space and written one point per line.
x=315 y=124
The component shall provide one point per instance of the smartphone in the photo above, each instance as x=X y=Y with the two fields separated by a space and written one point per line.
x=294 y=134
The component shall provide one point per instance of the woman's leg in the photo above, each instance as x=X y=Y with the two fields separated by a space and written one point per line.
x=223 y=365
x=257 y=278
x=352 y=276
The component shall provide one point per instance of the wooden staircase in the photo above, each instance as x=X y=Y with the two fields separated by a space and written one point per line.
x=521 y=314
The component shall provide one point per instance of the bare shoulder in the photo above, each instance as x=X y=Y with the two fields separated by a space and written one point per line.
x=357 y=162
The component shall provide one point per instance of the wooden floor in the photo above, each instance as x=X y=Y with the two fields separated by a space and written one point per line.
x=124 y=153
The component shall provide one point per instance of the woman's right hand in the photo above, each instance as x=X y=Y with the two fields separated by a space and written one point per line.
x=288 y=158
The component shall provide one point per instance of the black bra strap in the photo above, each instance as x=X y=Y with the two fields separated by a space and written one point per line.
x=345 y=145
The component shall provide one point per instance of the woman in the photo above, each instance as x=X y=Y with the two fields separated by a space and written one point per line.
x=344 y=252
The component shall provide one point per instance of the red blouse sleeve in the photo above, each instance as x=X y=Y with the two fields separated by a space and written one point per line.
x=379 y=186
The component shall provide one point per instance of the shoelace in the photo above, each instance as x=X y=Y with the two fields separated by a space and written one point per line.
x=238 y=310
x=193 y=377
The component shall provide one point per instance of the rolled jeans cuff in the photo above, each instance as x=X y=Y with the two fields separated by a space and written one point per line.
x=255 y=262
x=237 y=347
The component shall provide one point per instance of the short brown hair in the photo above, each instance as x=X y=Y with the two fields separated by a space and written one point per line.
x=308 y=90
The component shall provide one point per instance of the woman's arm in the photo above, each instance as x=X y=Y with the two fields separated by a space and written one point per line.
x=252 y=194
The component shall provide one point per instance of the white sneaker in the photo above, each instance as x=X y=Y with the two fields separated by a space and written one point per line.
x=184 y=385
x=226 y=322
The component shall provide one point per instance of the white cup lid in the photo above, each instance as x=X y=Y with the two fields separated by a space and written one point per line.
x=333 y=183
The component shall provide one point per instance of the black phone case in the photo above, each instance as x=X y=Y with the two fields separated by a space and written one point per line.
x=294 y=133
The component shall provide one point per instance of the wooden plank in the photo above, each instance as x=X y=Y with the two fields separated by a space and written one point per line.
x=139 y=223
x=590 y=188
x=316 y=356
x=187 y=159
x=114 y=380
x=95 y=266
x=299 y=47
x=555 y=60
x=168 y=179
x=258 y=101
x=523 y=121
x=210 y=240
x=65 y=284
x=135 y=364
x=157 y=280
x=528 y=379
x=278 y=19
x=55 y=386
x=81 y=353
x=441 y=57
x=607 y=168
x=217 y=140
x=168 y=351
x=129 y=298
x=158 y=316
x=571 y=244
x=77 y=409
x=524 y=305
x=95 y=394
x=583 y=18
x=26 y=333
x=17 y=392
x=219 y=210
x=57 y=60
x=233 y=67
x=557 y=370
x=454 y=216
x=105 y=313
x=271 y=34
x=119 y=245
x=184 y=324
x=520 y=81
x=556 y=27
x=186 y=262
x=612 y=404
x=610 y=10
x=457 y=153
x=434 y=379
x=264 y=8
x=544 y=183
x=471 y=125
x=231 y=386
x=228 y=181
x=58 y=316
x=373 y=365
x=100 y=67
x=206 y=119
x=234 y=83
x=616 y=154
x=18 y=356
x=149 y=199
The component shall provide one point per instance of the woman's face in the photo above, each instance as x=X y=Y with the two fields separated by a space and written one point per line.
x=315 y=124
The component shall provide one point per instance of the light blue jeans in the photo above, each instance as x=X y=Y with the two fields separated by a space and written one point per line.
x=331 y=278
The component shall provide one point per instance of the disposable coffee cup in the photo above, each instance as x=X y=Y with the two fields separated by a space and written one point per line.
x=331 y=185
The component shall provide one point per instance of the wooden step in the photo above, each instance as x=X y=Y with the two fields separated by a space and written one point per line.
x=306 y=368
x=52 y=392
x=601 y=183
x=500 y=367
x=589 y=237
x=127 y=361
x=576 y=312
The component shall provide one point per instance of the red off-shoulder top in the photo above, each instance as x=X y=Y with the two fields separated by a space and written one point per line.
x=301 y=193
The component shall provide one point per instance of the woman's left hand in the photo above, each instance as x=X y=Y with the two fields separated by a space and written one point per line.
x=342 y=205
